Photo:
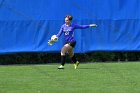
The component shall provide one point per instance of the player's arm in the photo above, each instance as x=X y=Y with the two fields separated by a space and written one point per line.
x=84 y=26
x=93 y=25
x=60 y=32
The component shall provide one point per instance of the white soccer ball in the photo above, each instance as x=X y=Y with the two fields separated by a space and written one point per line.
x=54 y=38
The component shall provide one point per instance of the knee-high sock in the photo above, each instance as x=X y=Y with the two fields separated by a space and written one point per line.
x=63 y=58
x=74 y=59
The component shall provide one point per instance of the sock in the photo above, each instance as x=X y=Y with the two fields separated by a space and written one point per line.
x=74 y=59
x=63 y=60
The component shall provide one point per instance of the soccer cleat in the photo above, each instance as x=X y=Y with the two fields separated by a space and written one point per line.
x=76 y=65
x=61 y=67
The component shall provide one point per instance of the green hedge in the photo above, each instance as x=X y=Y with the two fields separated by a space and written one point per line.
x=43 y=58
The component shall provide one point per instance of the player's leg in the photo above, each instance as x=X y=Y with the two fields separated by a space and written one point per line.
x=64 y=50
x=73 y=58
x=71 y=54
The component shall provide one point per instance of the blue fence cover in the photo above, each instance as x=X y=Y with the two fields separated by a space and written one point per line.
x=26 y=25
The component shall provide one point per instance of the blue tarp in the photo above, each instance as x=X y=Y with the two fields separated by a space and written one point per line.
x=26 y=25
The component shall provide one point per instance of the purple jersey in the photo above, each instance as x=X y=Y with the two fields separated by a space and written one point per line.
x=69 y=31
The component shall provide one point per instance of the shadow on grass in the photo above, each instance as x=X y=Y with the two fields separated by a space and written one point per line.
x=86 y=68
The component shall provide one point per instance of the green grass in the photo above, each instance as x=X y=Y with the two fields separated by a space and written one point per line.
x=88 y=78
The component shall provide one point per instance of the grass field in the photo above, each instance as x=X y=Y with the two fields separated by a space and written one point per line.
x=88 y=78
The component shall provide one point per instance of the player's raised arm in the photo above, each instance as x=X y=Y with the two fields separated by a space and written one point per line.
x=93 y=25
x=84 y=26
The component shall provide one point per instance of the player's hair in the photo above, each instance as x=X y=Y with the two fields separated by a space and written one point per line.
x=69 y=17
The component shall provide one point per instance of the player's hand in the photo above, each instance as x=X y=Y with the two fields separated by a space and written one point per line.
x=53 y=39
x=93 y=25
x=50 y=42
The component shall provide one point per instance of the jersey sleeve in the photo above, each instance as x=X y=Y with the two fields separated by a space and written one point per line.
x=76 y=26
x=60 y=31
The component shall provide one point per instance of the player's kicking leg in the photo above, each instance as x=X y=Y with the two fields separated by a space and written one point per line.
x=73 y=58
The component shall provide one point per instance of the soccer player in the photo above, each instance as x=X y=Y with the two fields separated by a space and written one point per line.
x=70 y=42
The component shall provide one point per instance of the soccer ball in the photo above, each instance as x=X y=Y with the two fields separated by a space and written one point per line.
x=54 y=38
